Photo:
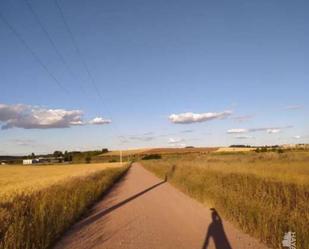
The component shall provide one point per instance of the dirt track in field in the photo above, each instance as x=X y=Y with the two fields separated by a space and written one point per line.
x=144 y=212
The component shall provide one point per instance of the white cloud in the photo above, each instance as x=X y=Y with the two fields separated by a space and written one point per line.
x=190 y=117
x=240 y=130
x=34 y=117
x=271 y=131
x=175 y=140
x=99 y=121
x=244 y=137
x=297 y=137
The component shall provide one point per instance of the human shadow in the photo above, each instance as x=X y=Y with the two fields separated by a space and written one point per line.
x=216 y=231
x=118 y=205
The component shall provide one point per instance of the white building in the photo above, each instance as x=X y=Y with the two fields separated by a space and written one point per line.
x=28 y=161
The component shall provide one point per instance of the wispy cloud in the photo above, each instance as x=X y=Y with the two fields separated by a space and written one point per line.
x=99 y=121
x=293 y=107
x=34 y=117
x=269 y=130
x=238 y=130
x=190 y=117
x=142 y=138
x=149 y=133
x=23 y=142
x=177 y=142
x=243 y=137
x=297 y=137
x=145 y=137
x=187 y=131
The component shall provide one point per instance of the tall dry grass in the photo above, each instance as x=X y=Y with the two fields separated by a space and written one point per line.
x=15 y=179
x=35 y=219
x=253 y=191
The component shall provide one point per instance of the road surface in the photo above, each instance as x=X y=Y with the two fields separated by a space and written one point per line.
x=144 y=212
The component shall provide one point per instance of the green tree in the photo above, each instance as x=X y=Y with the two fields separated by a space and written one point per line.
x=58 y=153
x=88 y=159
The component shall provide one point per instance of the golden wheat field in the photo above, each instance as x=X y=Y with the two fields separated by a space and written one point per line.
x=17 y=178
x=38 y=203
x=265 y=194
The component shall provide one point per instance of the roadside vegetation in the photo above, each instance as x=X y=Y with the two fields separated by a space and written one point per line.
x=33 y=217
x=265 y=194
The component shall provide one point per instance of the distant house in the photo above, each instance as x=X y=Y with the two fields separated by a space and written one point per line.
x=43 y=160
x=30 y=161
x=27 y=161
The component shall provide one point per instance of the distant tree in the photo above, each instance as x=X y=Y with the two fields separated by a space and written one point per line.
x=104 y=150
x=264 y=149
x=32 y=156
x=58 y=153
x=88 y=159
x=67 y=156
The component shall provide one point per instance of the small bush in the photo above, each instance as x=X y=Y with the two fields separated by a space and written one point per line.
x=88 y=159
x=152 y=157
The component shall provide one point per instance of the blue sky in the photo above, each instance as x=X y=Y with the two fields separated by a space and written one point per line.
x=239 y=69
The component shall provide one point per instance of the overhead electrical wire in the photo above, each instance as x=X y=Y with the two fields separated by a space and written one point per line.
x=83 y=61
x=36 y=57
x=38 y=20
x=85 y=65
x=43 y=65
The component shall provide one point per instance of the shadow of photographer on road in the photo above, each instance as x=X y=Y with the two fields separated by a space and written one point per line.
x=216 y=231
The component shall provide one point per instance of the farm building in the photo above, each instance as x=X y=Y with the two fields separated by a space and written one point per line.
x=30 y=161
x=43 y=160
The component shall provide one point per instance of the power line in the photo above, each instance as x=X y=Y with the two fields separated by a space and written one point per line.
x=36 y=57
x=75 y=44
x=78 y=50
x=38 y=20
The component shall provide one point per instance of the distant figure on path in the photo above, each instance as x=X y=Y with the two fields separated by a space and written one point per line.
x=216 y=231
x=170 y=174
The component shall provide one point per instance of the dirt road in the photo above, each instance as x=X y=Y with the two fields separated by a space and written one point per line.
x=144 y=212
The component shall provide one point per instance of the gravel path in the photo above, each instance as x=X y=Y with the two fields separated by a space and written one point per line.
x=144 y=212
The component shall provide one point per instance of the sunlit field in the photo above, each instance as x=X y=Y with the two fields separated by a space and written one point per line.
x=38 y=203
x=265 y=194
x=20 y=178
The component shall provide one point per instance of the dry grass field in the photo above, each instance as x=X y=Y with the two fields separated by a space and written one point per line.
x=151 y=151
x=19 y=178
x=265 y=194
x=125 y=152
x=38 y=203
x=163 y=151
x=234 y=149
x=136 y=154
